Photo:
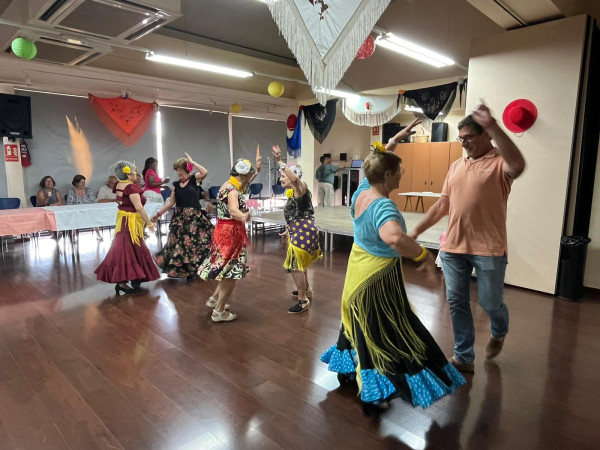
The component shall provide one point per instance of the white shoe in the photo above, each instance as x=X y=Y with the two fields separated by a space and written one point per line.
x=212 y=302
x=224 y=316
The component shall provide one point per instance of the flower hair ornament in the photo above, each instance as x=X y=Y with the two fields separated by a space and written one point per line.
x=189 y=166
x=377 y=147
x=295 y=168
x=243 y=167
x=127 y=170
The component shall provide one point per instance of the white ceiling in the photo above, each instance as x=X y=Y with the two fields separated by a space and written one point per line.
x=242 y=34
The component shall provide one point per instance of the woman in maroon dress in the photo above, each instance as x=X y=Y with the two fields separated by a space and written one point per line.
x=128 y=258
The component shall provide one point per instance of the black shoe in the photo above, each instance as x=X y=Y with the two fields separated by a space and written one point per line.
x=374 y=409
x=299 y=307
x=136 y=285
x=346 y=379
x=190 y=277
x=125 y=289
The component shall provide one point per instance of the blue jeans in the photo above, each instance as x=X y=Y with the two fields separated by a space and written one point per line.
x=490 y=287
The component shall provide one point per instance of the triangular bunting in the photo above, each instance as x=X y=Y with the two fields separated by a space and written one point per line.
x=125 y=117
x=324 y=35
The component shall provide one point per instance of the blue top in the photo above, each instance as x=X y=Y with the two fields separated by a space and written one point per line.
x=325 y=173
x=367 y=225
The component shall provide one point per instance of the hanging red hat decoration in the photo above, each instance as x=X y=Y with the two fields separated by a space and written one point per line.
x=368 y=106
x=366 y=49
x=292 y=120
x=519 y=115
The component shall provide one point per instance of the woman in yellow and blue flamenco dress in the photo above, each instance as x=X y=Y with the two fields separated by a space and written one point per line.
x=302 y=235
x=382 y=345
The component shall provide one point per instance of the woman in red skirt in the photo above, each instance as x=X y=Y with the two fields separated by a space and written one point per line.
x=128 y=258
x=227 y=262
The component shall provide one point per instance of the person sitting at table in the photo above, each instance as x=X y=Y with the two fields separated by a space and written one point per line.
x=107 y=194
x=80 y=194
x=152 y=181
x=191 y=230
x=128 y=258
x=47 y=194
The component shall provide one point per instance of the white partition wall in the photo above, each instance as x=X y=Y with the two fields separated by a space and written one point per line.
x=541 y=63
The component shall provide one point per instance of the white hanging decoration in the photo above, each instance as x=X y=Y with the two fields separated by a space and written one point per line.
x=371 y=111
x=325 y=35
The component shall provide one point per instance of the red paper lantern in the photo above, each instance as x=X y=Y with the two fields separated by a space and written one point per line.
x=292 y=120
x=366 y=50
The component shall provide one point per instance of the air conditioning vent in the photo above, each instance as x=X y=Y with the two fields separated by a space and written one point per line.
x=55 y=51
x=121 y=20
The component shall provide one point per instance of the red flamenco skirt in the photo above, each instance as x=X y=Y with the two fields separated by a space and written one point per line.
x=126 y=261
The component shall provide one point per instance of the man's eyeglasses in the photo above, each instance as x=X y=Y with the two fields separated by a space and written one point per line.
x=466 y=139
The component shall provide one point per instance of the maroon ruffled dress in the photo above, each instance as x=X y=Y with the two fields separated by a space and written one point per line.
x=126 y=260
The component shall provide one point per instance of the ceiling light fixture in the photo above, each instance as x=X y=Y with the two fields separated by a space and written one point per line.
x=197 y=65
x=407 y=48
x=341 y=94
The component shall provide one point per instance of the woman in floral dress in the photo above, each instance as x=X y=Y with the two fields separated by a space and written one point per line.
x=191 y=230
x=227 y=262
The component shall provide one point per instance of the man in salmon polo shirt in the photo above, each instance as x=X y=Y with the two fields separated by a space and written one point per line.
x=475 y=195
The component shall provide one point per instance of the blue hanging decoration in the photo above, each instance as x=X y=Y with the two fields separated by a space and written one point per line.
x=294 y=143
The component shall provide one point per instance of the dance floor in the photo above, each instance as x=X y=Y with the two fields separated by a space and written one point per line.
x=81 y=368
x=336 y=221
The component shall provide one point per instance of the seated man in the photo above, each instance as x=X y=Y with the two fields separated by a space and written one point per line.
x=106 y=194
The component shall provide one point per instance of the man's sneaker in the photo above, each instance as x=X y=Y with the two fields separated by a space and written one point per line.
x=493 y=347
x=299 y=307
x=462 y=367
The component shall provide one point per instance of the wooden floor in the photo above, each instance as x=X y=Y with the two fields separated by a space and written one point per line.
x=83 y=369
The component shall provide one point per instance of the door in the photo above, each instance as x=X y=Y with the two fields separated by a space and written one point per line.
x=438 y=168
x=404 y=151
x=456 y=152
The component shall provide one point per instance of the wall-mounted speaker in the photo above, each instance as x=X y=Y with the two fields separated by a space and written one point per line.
x=343 y=156
x=390 y=130
x=439 y=132
x=15 y=116
x=327 y=155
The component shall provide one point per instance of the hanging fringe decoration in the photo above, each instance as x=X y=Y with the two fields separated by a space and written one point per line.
x=371 y=111
x=124 y=117
x=325 y=35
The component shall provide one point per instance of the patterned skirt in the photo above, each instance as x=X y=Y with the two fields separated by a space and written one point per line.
x=303 y=244
x=383 y=344
x=227 y=252
x=127 y=261
x=188 y=244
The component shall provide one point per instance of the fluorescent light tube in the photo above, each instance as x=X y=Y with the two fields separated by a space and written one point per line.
x=407 y=48
x=341 y=94
x=198 y=65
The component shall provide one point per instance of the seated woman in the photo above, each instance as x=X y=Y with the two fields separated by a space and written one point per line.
x=47 y=194
x=80 y=194
x=382 y=343
x=152 y=182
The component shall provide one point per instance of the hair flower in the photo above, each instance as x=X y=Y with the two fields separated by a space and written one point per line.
x=378 y=147
x=127 y=170
x=189 y=166
x=243 y=166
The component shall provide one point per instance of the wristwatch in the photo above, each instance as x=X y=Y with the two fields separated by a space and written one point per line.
x=392 y=141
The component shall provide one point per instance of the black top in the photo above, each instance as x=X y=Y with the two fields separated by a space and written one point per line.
x=299 y=207
x=188 y=196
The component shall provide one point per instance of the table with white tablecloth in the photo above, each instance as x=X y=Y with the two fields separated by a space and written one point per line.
x=75 y=217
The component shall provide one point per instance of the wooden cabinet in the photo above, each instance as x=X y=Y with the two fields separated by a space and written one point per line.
x=426 y=166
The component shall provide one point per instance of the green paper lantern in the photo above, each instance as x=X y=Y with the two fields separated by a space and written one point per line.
x=24 y=48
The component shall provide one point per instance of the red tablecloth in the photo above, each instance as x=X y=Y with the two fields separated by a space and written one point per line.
x=26 y=220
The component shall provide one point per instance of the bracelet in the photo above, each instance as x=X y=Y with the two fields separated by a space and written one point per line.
x=422 y=256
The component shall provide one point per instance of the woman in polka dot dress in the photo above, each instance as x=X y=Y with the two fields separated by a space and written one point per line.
x=383 y=346
x=302 y=235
